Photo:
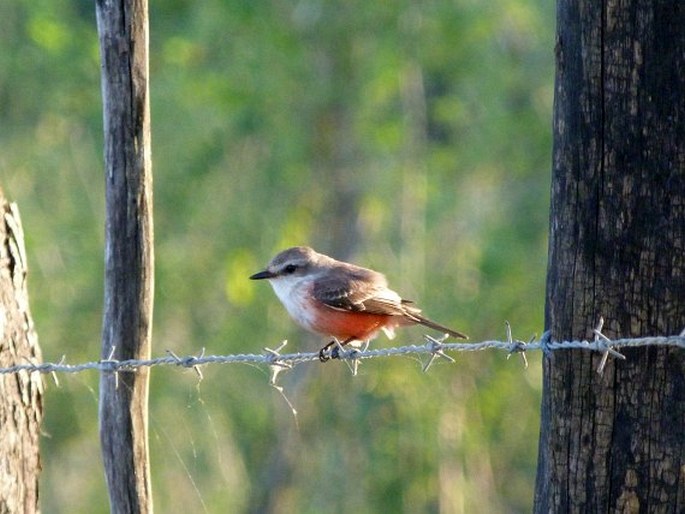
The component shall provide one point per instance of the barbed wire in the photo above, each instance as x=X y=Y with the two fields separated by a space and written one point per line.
x=434 y=347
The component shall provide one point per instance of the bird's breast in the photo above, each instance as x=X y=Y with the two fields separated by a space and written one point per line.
x=296 y=298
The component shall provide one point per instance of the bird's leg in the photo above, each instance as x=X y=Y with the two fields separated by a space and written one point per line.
x=335 y=352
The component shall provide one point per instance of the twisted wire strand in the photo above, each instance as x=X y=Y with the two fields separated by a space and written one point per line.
x=432 y=347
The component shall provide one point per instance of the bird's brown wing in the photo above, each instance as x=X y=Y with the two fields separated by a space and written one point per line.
x=358 y=290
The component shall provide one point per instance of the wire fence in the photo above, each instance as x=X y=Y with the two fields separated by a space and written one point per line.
x=433 y=347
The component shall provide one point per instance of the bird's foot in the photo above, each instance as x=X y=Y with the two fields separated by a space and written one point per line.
x=330 y=351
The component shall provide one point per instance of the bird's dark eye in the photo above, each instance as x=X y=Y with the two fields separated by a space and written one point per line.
x=290 y=268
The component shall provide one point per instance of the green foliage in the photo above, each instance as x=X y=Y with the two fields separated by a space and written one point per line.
x=411 y=137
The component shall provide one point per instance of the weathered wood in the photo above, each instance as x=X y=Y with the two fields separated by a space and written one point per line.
x=127 y=320
x=616 y=442
x=21 y=394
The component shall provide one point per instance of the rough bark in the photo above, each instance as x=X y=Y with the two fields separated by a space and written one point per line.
x=616 y=442
x=21 y=394
x=127 y=323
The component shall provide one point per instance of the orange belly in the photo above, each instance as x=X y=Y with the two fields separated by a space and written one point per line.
x=345 y=325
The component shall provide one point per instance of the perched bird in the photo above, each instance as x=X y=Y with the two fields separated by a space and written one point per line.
x=339 y=299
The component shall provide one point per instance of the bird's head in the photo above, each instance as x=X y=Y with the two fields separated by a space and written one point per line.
x=290 y=270
x=289 y=266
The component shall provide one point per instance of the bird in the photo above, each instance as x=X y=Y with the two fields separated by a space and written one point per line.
x=339 y=299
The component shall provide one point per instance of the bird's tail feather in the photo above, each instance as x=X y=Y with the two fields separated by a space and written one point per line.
x=437 y=326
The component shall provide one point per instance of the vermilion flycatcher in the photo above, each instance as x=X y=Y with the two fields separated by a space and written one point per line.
x=340 y=299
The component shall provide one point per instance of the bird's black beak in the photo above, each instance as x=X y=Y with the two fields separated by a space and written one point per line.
x=262 y=275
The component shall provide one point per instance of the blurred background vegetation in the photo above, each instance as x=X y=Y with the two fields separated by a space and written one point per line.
x=413 y=137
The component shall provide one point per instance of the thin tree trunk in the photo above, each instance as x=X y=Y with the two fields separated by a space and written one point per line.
x=127 y=323
x=21 y=394
x=615 y=442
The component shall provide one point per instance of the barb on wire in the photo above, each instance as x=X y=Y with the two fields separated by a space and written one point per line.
x=110 y=361
x=276 y=366
x=53 y=374
x=518 y=346
x=545 y=340
x=189 y=362
x=277 y=361
x=436 y=349
x=352 y=356
x=604 y=342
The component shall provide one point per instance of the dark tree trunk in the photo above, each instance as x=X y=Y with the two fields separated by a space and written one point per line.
x=21 y=394
x=615 y=442
x=127 y=323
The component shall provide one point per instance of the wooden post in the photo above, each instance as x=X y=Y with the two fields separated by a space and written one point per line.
x=21 y=394
x=615 y=442
x=127 y=320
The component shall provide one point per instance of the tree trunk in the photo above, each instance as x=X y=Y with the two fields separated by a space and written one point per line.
x=127 y=323
x=615 y=442
x=21 y=394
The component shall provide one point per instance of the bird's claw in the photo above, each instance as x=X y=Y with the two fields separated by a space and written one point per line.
x=330 y=351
